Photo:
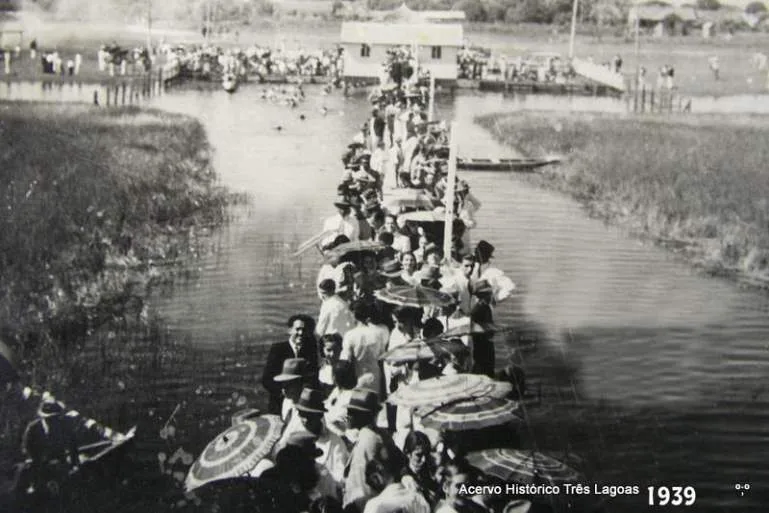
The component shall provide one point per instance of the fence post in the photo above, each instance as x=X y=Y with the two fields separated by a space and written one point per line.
x=124 y=92
x=96 y=97
x=643 y=100
x=107 y=91
x=651 y=101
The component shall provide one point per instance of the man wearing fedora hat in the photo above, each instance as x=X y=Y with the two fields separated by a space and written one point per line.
x=332 y=453
x=371 y=444
x=502 y=286
x=300 y=344
x=341 y=223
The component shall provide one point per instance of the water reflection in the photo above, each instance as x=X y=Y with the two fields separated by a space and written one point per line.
x=653 y=374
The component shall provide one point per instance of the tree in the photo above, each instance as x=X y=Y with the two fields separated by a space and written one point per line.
x=708 y=5
x=473 y=9
x=755 y=8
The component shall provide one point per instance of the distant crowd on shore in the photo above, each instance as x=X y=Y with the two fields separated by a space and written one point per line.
x=205 y=60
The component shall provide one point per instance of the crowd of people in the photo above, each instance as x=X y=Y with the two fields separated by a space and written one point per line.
x=211 y=60
x=331 y=379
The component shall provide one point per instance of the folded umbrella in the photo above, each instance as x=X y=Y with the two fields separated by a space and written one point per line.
x=236 y=451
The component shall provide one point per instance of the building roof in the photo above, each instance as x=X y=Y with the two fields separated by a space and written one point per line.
x=404 y=14
x=402 y=33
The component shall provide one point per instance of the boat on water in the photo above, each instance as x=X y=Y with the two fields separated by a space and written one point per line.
x=230 y=82
x=523 y=165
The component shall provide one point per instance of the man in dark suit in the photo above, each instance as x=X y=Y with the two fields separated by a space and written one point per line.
x=300 y=344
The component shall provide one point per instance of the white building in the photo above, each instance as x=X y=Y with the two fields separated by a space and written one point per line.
x=366 y=44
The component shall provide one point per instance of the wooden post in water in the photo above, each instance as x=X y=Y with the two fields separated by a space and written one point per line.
x=651 y=101
x=106 y=89
x=643 y=99
x=448 y=199
x=431 y=100
x=125 y=87
x=96 y=97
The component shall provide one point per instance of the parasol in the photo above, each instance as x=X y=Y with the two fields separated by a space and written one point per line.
x=443 y=390
x=424 y=216
x=348 y=249
x=416 y=296
x=8 y=370
x=523 y=467
x=472 y=329
x=235 y=451
x=478 y=413
x=313 y=242
x=398 y=200
x=409 y=352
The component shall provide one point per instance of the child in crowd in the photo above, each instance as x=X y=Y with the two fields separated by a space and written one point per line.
x=330 y=351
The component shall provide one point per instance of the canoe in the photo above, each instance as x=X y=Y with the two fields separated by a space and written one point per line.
x=505 y=164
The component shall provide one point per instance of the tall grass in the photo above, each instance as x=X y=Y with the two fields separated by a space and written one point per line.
x=96 y=204
x=699 y=182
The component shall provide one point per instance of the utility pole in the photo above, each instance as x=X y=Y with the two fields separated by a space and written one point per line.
x=574 y=9
x=149 y=26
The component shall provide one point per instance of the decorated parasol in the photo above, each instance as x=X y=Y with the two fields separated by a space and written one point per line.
x=349 y=250
x=444 y=390
x=417 y=296
x=409 y=352
x=235 y=451
x=523 y=467
x=477 y=413
x=399 y=200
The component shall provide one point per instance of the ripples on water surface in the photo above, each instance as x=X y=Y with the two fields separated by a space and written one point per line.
x=650 y=373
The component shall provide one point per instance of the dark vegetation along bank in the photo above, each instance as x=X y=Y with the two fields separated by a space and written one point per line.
x=698 y=184
x=99 y=208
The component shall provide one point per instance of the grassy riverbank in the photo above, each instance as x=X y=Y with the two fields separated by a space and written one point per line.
x=697 y=184
x=98 y=206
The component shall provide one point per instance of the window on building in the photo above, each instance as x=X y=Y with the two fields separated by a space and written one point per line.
x=365 y=50
x=436 y=52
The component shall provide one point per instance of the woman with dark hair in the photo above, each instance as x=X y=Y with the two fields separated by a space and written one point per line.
x=336 y=404
x=420 y=469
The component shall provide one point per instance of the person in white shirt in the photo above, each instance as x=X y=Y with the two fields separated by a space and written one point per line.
x=407 y=325
x=335 y=315
x=501 y=285
x=333 y=453
x=459 y=285
x=393 y=496
x=342 y=223
x=291 y=380
x=364 y=344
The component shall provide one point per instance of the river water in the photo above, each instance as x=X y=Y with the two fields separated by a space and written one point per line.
x=648 y=372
